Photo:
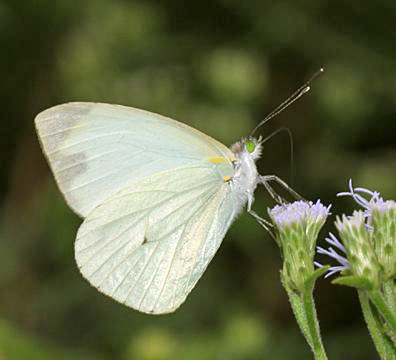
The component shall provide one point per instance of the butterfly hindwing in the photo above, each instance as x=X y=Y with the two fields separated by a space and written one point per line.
x=149 y=244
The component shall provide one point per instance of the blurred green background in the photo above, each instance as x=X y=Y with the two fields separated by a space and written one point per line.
x=219 y=66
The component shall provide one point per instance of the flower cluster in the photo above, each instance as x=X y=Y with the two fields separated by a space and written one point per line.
x=366 y=257
x=368 y=238
x=297 y=227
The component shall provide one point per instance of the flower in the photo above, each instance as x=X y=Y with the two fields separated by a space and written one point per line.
x=297 y=226
x=383 y=221
x=368 y=238
x=357 y=240
x=362 y=201
x=355 y=193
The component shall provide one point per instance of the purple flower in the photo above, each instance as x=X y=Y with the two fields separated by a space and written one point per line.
x=297 y=227
x=299 y=211
x=368 y=237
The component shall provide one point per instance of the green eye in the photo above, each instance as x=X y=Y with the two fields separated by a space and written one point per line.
x=250 y=146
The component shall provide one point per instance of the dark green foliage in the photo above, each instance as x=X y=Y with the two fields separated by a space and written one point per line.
x=220 y=66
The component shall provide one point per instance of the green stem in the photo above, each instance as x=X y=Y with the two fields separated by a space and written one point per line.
x=389 y=291
x=389 y=295
x=385 y=348
x=304 y=310
x=383 y=307
x=298 y=311
x=313 y=325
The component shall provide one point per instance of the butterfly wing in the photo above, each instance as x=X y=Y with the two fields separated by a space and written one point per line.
x=95 y=150
x=148 y=245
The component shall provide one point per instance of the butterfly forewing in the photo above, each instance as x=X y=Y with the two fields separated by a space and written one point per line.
x=95 y=150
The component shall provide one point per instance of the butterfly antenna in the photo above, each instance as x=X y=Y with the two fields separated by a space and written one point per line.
x=290 y=135
x=290 y=100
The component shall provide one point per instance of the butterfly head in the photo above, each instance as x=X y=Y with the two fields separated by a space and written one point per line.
x=248 y=146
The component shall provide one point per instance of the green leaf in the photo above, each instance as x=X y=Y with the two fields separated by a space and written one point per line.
x=358 y=282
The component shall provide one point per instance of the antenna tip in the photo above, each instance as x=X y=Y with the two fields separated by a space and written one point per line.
x=306 y=89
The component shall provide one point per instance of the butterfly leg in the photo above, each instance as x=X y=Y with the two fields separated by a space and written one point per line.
x=263 y=222
x=266 y=179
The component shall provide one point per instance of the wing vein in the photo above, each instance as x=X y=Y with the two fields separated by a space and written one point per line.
x=142 y=271
x=158 y=241
x=151 y=280
x=61 y=148
x=176 y=194
x=66 y=129
x=123 y=244
x=86 y=160
x=79 y=186
x=104 y=245
x=191 y=271
x=177 y=246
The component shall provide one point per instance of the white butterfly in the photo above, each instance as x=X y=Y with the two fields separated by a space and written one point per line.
x=157 y=196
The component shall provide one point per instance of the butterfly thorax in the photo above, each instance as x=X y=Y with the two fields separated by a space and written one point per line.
x=245 y=179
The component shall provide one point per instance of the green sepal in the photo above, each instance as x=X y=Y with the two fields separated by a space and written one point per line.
x=358 y=282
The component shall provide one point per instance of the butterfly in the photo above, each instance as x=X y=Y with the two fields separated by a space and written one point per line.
x=156 y=196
